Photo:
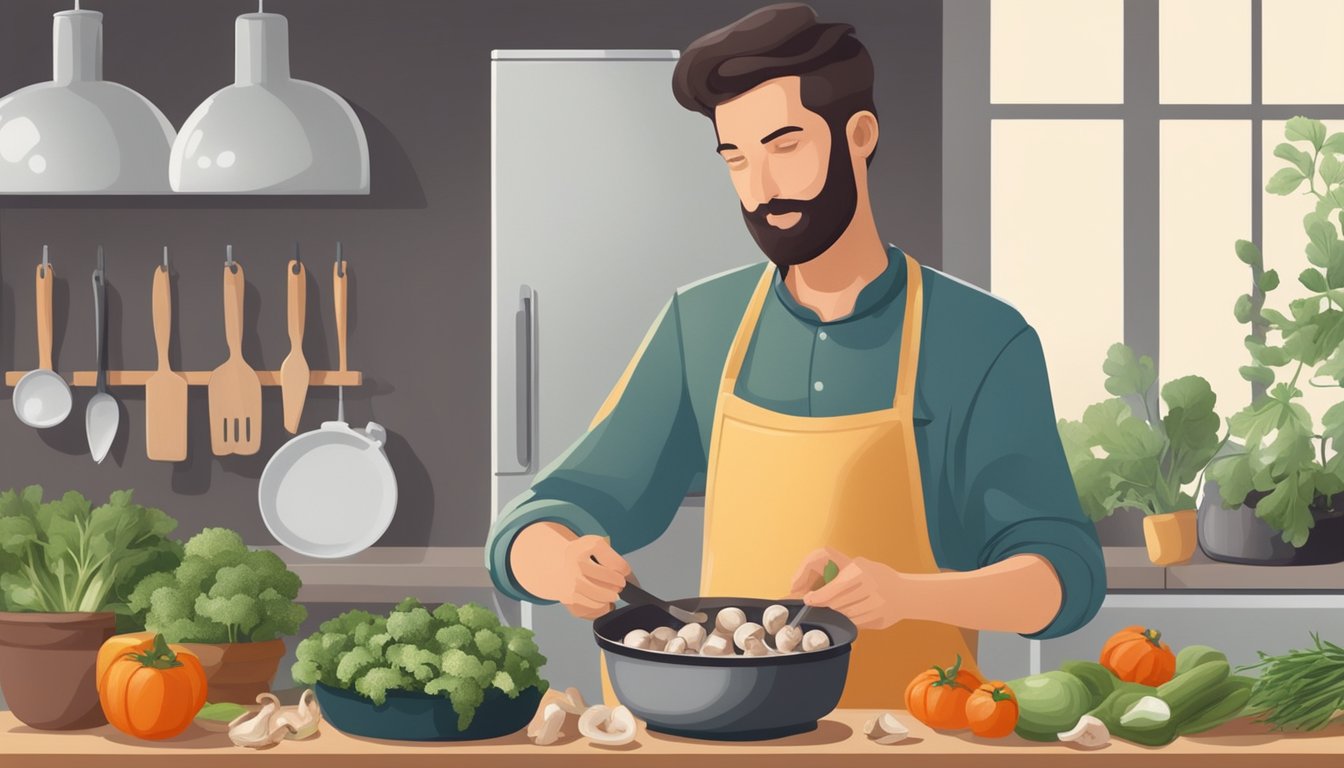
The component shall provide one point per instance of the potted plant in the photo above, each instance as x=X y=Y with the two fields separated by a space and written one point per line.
x=228 y=605
x=1124 y=454
x=66 y=571
x=451 y=674
x=1279 y=496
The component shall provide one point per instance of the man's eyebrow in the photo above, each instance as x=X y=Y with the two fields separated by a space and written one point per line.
x=779 y=132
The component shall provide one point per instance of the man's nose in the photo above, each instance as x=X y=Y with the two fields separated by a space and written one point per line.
x=762 y=188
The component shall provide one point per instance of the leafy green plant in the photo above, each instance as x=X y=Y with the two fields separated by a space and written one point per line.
x=455 y=652
x=67 y=555
x=222 y=592
x=1282 y=453
x=1122 y=454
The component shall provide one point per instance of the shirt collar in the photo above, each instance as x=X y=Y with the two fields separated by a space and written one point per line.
x=882 y=290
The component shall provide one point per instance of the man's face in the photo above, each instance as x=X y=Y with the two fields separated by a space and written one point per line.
x=794 y=178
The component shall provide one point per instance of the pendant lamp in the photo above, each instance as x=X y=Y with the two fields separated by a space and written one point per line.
x=267 y=132
x=80 y=133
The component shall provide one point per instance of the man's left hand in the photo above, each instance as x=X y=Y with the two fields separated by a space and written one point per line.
x=865 y=591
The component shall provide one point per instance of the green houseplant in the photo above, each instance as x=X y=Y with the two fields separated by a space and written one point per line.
x=1286 y=476
x=67 y=569
x=1124 y=454
x=228 y=604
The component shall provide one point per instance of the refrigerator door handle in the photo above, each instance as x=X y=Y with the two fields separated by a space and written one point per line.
x=525 y=329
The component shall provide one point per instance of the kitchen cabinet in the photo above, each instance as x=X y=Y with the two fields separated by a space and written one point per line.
x=838 y=742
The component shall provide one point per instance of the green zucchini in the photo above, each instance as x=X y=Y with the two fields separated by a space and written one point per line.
x=1192 y=656
x=1121 y=700
x=1098 y=679
x=1195 y=691
x=1232 y=698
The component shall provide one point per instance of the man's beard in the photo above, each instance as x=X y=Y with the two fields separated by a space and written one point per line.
x=823 y=219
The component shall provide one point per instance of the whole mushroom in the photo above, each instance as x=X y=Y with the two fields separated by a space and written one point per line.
x=638 y=638
x=788 y=639
x=746 y=631
x=755 y=646
x=716 y=645
x=661 y=637
x=728 y=620
x=693 y=634
x=676 y=645
x=816 y=640
x=774 y=619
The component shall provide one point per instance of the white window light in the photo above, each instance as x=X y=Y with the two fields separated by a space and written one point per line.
x=267 y=132
x=79 y=133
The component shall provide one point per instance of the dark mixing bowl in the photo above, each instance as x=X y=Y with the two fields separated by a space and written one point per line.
x=731 y=698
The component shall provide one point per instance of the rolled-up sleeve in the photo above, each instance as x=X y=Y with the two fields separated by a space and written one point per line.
x=1018 y=495
x=627 y=475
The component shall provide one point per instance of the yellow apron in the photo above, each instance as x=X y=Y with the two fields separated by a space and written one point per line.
x=780 y=486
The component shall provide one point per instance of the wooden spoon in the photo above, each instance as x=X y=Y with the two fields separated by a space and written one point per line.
x=294 y=370
x=166 y=390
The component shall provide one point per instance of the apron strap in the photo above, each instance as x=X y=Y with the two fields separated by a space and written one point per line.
x=911 y=332
x=738 y=352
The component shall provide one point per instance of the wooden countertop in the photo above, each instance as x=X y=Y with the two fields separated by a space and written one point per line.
x=838 y=741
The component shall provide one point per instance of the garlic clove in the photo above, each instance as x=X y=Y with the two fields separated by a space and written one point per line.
x=886 y=729
x=1090 y=732
x=608 y=727
x=553 y=719
x=254 y=729
x=302 y=719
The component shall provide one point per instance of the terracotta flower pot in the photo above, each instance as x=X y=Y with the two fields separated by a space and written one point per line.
x=1171 y=538
x=237 y=672
x=47 y=665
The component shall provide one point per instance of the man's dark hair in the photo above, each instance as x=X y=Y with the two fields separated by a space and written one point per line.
x=834 y=69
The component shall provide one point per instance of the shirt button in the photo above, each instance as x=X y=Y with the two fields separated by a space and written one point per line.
x=818 y=386
x=822 y=335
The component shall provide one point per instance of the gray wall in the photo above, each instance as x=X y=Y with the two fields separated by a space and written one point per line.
x=417 y=72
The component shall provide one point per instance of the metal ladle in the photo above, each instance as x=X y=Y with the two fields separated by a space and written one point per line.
x=102 y=417
x=42 y=398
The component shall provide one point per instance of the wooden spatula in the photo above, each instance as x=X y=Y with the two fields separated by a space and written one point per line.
x=294 y=370
x=166 y=390
x=235 y=389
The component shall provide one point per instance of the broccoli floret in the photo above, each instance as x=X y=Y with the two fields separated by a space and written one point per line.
x=459 y=664
x=218 y=546
x=378 y=681
x=318 y=656
x=420 y=663
x=504 y=682
x=454 y=637
x=488 y=643
x=348 y=622
x=446 y=613
x=465 y=694
x=407 y=604
x=412 y=626
x=477 y=617
x=354 y=663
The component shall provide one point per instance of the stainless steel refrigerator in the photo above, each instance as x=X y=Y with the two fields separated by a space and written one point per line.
x=607 y=196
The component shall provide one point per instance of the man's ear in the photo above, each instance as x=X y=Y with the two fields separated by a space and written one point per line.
x=861 y=130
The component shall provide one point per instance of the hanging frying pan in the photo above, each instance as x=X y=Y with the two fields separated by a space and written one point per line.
x=330 y=492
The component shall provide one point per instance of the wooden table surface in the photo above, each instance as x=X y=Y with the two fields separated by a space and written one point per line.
x=838 y=741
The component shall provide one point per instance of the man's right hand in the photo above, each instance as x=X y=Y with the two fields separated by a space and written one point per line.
x=582 y=573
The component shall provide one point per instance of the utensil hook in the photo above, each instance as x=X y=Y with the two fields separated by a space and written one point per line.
x=46 y=263
x=165 y=258
x=228 y=259
x=298 y=261
x=340 y=260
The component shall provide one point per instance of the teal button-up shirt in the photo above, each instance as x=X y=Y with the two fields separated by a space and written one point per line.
x=995 y=480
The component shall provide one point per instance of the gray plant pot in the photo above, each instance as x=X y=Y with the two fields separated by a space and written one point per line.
x=1238 y=536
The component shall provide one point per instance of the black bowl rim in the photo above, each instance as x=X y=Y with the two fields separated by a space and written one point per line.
x=692 y=603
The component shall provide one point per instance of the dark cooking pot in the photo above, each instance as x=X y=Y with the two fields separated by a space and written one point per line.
x=733 y=698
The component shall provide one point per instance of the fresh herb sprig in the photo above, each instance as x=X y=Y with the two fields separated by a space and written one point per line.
x=1300 y=690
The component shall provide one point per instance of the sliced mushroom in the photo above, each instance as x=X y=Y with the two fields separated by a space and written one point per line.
x=748 y=630
x=547 y=731
x=728 y=620
x=755 y=646
x=573 y=702
x=693 y=634
x=716 y=645
x=816 y=640
x=774 y=619
x=788 y=639
x=608 y=727
x=638 y=638
x=255 y=729
x=1089 y=732
x=886 y=729
x=301 y=720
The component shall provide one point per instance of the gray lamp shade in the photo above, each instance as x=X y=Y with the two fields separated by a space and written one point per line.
x=80 y=134
x=268 y=133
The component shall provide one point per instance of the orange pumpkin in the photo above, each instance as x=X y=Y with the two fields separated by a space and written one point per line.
x=117 y=646
x=992 y=710
x=938 y=697
x=151 y=691
x=1138 y=655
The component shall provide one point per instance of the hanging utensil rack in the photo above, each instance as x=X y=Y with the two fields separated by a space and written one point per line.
x=336 y=378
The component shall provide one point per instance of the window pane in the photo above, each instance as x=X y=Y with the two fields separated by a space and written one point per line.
x=1204 y=52
x=1301 y=51
x=1285 y=242
x=1057 y=52
x=1057 y=243
x=1206 y=206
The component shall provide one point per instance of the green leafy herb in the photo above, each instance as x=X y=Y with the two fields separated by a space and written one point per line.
x=223 y=711
x=222 y=592
x=66 y=555
x=457 y=652
x=1300 y=690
